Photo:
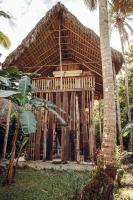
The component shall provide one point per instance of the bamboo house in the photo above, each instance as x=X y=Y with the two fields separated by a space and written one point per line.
x=67 y=55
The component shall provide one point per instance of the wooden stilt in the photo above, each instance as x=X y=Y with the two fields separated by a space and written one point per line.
x=38 y=136
x=92 y=130
x=84 y=129
x=65 y=132
x=72 y=127
x=45 y=129
x=77 y=131
x=49 y=151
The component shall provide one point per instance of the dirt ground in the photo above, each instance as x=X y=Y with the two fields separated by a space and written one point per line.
x=84 y=166
x=125 y=190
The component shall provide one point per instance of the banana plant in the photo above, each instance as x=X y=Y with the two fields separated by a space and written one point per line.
x=17 y=87
x=128 y=132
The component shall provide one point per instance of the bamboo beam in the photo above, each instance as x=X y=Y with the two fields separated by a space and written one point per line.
x=81 y=38
x=64 y=64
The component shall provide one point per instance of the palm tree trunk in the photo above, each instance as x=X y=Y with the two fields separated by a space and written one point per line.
x=10 y=170
x=126 y=81
x=109 y=120
x=7 y=128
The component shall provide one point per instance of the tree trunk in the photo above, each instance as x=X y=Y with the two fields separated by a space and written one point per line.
x=126 y=80
x=109 y=120
x=7 y=128
x=118 y=111
x=10 y=170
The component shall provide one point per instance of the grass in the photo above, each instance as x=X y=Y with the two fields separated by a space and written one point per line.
x=44 y=185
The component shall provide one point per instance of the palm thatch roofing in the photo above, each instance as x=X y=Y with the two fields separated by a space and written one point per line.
x=39 y=51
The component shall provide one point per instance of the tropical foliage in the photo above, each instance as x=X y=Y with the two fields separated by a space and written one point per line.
x=17 y=86
x=4 y=40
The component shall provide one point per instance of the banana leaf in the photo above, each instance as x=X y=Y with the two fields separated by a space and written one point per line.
x=24 y=85
x=58 y=116
x=5 y=81
x=127 y=129
x=27 y=122
x=7 y=93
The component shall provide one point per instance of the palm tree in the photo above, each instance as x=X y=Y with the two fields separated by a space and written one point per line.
x=123 y=5
x=118 y=20
x=109 y=120
x=4 y=40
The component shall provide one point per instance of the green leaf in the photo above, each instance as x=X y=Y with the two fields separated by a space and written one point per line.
x=5 y=81
x=25 y=85
x=4 y=40
x=37 y=102
x=23 y=143
x=27 y=122
x=125 y=133
x=7 y=93
x=58 y=116
x=20 y=99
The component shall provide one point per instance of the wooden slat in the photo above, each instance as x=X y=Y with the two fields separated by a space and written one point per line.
x=53 y=84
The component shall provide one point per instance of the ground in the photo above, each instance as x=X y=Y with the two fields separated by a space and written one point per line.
x=57 y=165
x=47 y=184
x=125 y=190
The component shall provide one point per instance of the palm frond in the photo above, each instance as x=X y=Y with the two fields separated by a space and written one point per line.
x=91 y=4
x=4 y=40
x=4 y=14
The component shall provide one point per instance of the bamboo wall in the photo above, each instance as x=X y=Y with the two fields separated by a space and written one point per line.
x=74 y=142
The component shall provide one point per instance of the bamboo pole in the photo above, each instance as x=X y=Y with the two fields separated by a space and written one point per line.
x=77 y=131
x=45 y=132
x=84 y=129
x=93 y=128
x=65 y=132
x=60 y=56
x=7 y=128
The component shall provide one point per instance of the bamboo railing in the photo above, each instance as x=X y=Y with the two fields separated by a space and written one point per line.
x=53 y=84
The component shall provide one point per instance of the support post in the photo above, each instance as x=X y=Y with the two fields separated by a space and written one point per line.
x=60 y=55
x=45 y=132
x=65 y=132
x=77 y=131
x=84 y=129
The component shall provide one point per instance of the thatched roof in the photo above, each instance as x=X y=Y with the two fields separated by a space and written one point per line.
x=40 y=49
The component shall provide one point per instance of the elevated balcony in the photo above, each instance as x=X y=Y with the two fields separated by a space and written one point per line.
x=58 y=84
